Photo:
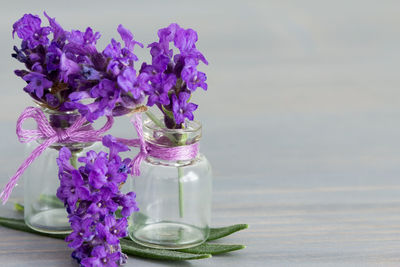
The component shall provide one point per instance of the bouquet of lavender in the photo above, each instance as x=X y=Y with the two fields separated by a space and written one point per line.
x=174 y=77
x=65 y=67
x=92 y=196
x=69 y=73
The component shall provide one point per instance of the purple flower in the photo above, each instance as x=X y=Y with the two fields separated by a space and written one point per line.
x=106 y=95
x=90 y=157
x=82 y=78
x=52 y=100
x=82 y=43
x=68 y=67
x=113 y=50
x=90 y=73
x=73 y=188
x=158 y=92
x=160 y=57
x=59 y=34
x=102 y=204
x=127 y=37
x=53 y=57
x=167 y=35
x=28 y=29
x=112 y=229
x=101 y=257
x=82 y=231
x=194 y=78
x=174 y=77
x=63 y=160
x=114 y=146
x=128 y=203
x=185 y=40
x=37 y=83
x=116 y=173
x=92 y=195
x=97 y=176
x=136 y=85
x=181 y=108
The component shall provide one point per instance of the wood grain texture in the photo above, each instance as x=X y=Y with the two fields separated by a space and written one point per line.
x=301 y=125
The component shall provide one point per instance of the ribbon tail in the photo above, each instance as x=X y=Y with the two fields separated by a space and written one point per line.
x=135 y=163
x=129 y=142
x=5 y=194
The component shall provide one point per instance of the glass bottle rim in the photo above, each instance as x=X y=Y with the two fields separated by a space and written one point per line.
x=191 y=127
x=56 y=112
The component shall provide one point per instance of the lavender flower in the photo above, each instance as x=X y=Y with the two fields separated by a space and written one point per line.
x=37 y=83
x=112 y=229
x=91 y=195
x=173 y=78
x=100 y=256
x=181 y=108
x=67 y=72
x=82 y=231
x=28 y=28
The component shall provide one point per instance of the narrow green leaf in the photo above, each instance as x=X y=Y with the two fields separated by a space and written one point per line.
x=167 y=112
x=20 y=225
x=19 y=207
x=128 y=247
x=216 y=233
x=131 y=248
x=213 y=249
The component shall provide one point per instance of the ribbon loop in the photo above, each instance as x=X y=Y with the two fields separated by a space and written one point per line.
x=78 y=132
x=137 y=122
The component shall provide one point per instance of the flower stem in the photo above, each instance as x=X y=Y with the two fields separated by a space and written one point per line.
x=180 y=175
x=74 y=160
x=180 y=170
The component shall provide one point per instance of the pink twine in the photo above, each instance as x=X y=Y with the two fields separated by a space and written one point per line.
x=186 y=152
x=78 y=132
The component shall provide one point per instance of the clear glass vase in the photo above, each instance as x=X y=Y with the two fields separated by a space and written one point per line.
x=174 y=197
x=43 y=211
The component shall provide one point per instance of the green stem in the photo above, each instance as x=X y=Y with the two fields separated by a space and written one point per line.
x=180 y=170
x=74 y=160
x=160 y=124
x=154 y=119
x=180 y=189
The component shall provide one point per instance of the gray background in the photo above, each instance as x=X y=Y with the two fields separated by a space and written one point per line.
x=300 y=124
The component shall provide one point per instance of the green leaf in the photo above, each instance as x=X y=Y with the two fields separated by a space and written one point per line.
x=213 y=249
x=128 y=247
x=19 y=207
x=168 y=112
x=131 y=248
x=216 y=233
x=20 y=225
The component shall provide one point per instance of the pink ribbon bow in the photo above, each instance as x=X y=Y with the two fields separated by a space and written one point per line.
x=78 y=132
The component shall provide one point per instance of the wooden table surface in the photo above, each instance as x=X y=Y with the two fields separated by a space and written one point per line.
x=301 y=125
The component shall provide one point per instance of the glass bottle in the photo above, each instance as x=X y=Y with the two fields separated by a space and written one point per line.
x=174 y=197
x=43 y=211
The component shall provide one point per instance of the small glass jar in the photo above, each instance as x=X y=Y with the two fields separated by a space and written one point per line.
x=43 y=211
x=174 y=197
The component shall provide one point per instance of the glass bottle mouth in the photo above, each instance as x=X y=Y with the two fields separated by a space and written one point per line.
x=164 y=136
x=61 y=120
x=190 y=127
